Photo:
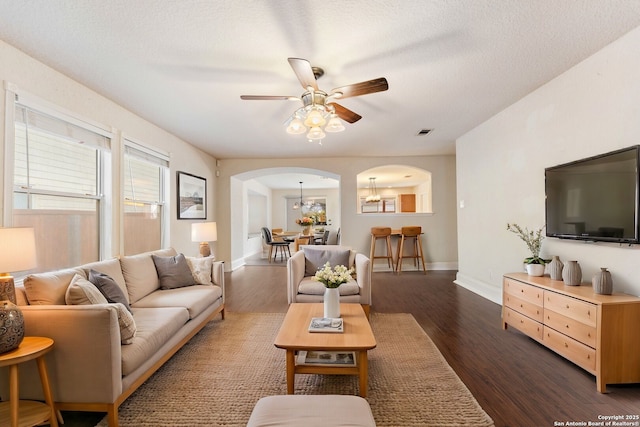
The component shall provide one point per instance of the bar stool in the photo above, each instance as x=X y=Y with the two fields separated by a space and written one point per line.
x=381 y=233
x=411 y=233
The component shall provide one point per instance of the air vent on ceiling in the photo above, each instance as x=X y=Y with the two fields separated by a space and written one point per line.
x=424 y=131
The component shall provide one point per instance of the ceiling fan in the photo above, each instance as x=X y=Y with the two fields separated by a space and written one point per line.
x=319 y=107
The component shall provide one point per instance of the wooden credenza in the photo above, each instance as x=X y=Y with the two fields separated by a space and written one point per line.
x=599 y=333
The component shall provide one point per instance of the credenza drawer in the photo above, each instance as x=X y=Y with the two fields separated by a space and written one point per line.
x=523 y=323
x=523 y=291
x=570 y=307
x=580 y=354
x=584 y=333
x=523 y=306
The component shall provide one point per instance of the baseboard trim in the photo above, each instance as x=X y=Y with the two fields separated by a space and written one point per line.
x=481 y=288
x=382 y=266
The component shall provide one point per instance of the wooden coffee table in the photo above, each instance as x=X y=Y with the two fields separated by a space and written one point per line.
x=357 y=336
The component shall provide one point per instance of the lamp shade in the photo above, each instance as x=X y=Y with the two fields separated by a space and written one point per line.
x=204 y=232
x=17 y=249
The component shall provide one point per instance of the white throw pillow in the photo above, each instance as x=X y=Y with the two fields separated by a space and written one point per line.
x=83 y=292
x=201 y=269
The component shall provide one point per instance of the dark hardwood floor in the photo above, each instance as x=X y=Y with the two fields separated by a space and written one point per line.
x=517 y=381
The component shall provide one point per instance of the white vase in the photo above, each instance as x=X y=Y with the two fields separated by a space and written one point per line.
x=535 y=269
x=331 y=302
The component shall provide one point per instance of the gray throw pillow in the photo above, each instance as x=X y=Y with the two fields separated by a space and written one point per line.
x=173 y=271
x=316 y=258
x=108 y=287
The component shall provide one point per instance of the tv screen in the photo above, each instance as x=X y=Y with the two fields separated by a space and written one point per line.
x=594 y=199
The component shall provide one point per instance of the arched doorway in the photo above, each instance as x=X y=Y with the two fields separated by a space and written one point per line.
x=265 y=197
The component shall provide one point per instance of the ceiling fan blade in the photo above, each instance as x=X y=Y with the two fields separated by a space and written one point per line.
x=345 y=114
x=267 y=97
x=362 y=88
x=304 y=72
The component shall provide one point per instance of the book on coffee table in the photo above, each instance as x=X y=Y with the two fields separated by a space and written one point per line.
x=326 y=358
x=326 y=324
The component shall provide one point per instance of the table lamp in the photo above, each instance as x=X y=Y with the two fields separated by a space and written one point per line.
x=17 y=253
x=204 y=232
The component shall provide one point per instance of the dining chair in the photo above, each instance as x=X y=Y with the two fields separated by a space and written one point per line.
x=281 y=246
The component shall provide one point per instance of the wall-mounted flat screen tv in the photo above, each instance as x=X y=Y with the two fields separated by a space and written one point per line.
x=595 y=199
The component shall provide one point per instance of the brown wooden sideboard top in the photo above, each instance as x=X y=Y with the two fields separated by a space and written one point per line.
x=584 y=292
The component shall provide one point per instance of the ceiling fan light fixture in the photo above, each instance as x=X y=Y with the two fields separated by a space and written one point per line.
x=315 y=133
x=334 y=125
x=314 y=119
x=296 y=127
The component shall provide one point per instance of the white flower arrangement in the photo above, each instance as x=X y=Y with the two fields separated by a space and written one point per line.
x=332 y=278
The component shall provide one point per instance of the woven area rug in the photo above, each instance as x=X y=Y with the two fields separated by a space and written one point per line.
x=216 y=379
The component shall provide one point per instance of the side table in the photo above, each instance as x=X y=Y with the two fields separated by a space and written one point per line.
x=27 y=412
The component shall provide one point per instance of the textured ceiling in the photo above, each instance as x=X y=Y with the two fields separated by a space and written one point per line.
x=184 y=64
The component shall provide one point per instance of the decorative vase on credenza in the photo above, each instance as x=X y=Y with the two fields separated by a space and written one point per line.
x=555 y=268
x=572 y=273
x=602 y=282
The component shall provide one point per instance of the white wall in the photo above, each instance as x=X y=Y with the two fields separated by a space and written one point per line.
x=593 y=108
x=43 y=82
x=440 y=240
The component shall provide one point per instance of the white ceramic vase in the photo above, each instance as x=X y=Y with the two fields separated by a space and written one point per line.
x=331 y=302
x=535 y=269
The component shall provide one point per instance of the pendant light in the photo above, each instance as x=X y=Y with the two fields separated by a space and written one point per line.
x=373 y=196
x=297 y=205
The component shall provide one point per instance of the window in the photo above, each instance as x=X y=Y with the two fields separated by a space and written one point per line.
x=145 y=210
x=57 y=186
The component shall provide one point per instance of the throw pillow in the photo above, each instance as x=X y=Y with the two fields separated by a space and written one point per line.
x=127 y=324
x=201 y=269
x=315 y=258
x=83 y=292
x=108 y=287
x=173 y=271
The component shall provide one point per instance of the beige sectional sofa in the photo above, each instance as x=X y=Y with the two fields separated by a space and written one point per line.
x=90 y=368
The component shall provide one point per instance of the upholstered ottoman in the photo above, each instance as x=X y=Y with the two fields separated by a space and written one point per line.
x=297 y=410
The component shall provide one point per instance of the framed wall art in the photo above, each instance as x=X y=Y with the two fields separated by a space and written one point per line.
x=192 y=196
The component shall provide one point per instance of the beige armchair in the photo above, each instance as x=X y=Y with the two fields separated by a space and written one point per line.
x=303 y=264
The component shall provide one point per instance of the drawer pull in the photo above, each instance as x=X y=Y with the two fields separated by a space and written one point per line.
x=566 y=345
x=521 y=306
x=566 y=326
x=567 y=305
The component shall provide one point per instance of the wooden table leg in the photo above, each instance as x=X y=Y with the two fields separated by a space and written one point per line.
x=46 y=388
x=291 y=370
x=14 y=396
x=363 y=375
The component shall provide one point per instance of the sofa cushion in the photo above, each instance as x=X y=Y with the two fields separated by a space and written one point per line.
x=195 y=299
x=155 y=326
x=201 y=269
x=110 y=267
x=83 y=292
x=140 y=274
x=316 y=257
x=173 y=271
x=50 y=287
x=108 y=287
x=308 y=286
